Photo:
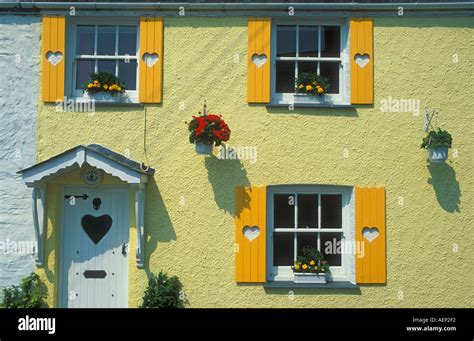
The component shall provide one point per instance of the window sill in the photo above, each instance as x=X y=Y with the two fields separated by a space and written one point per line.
x=102 y=103
x=310 y=105
x=329 y=285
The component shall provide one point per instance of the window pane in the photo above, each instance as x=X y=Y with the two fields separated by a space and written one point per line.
x=286 y=41
x=128 y=74
x=308 y=41
x=284 y=211
x=285 y=77
x=330 y=70
x=106 y=40
x=331 y=211
x=307 y=67
x=330 y=243
x=85 y=40
x=283 y=248
x=127 y=40
x=307 y=211
x=84 y=69
x=330 y=41
x=107 y=66
x=306 y=239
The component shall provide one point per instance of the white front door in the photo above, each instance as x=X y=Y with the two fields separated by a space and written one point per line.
x=93 y=262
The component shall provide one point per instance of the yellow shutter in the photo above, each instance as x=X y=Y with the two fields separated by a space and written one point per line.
x=151 y=46
x=370 y=231
x=250 y=234
x=53 y=55
x=258 y=58
x=362 y=61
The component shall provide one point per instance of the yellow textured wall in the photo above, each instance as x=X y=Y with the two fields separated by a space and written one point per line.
x=190 y=202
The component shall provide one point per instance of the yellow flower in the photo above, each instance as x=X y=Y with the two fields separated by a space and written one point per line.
x=304 y=266
x=89 y=85
x=119 y=88
x=315 y=83
x=301 y=86
x=315 y=268
x=309 y=87
x=312 y=262
x=297 y=267
x=320 y=90
x=106 y=86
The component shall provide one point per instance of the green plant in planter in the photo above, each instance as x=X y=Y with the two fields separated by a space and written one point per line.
x=163 y=291
x=29 y=294
x=312 y=261
x=311 y=83
x=104 y=82
x=437 y=139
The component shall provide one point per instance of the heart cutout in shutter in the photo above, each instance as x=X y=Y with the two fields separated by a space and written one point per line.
x=150 y=59
x=251 y=232
x=96 y=227
x=362 y=59
x=54 y=58
x=370 y=233
x=259 y=59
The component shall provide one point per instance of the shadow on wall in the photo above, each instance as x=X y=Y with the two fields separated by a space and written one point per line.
x=224 y=186
x=158 y=223
x=445 y=185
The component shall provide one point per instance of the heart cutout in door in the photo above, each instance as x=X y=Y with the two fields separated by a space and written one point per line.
x=362 y=59
x=54 y=58
x=150 y=59
x=251 y=232
x=96 y=227
x=259 y=59
x=370 y=233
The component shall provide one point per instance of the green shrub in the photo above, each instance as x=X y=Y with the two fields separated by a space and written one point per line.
x=29 y=294
x=437 y=139
x=162 y=292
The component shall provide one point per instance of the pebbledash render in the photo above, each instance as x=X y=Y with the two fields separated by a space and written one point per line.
x=120 y=193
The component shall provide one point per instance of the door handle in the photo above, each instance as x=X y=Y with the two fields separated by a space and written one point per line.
x=124 y=249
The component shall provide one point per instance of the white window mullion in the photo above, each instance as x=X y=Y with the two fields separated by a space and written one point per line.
x=319 y=221
x=295 y=251
x=116 y=50
x=96 y=62
x=297 y=50
x=319 y=52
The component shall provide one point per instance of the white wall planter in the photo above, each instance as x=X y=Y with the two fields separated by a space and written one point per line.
x=309 y=278
x=307 y=98
x=438 y=154
x=106 y=97
x=203 y=148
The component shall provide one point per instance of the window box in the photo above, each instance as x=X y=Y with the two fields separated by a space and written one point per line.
x=309 y=278
x=107 y=98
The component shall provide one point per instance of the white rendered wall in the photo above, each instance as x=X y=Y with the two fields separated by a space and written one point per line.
x=19 y=70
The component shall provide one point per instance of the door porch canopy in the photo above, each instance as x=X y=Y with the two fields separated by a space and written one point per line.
x=94 y=155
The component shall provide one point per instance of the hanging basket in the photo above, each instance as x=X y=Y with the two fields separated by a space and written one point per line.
x=438 y=154
x=203 y=148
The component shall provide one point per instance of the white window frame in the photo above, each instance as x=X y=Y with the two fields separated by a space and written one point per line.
x=345 y=272
x=343 y=97
x=79 y=95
